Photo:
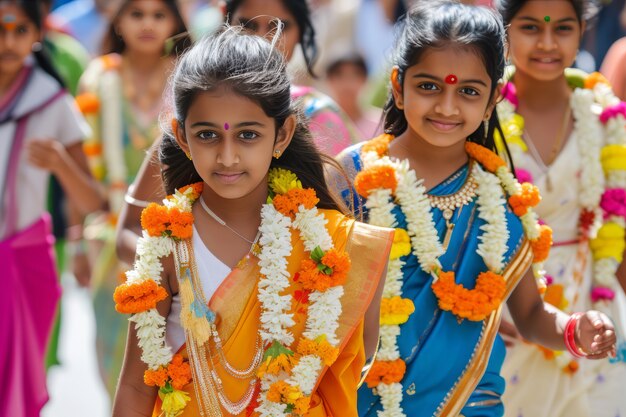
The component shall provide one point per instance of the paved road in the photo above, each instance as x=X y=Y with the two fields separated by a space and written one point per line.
x=74 y=386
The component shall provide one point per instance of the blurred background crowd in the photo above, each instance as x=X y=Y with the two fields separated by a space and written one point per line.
x=338 y=58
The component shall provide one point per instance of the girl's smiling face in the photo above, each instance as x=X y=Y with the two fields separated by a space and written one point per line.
x=445 y=95
x=544 y=37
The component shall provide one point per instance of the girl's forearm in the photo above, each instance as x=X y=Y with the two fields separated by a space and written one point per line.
x=80 y=188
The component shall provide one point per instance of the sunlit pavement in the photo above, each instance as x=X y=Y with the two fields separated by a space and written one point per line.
x=74 y=386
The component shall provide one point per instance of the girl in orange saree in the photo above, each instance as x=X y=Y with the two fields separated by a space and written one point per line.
x=252 y=293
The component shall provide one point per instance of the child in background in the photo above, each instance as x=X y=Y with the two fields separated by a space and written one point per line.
x=346 y=77
x=121 y=98
x=42 y=132
x=566 y=131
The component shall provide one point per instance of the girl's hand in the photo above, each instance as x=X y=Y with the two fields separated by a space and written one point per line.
x=595 y=335
x=47 y=154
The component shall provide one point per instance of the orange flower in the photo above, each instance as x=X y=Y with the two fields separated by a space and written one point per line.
x=386 y=372
x=595 y=78
x=288 y=204
x=528 y=197
x=301 y=406
x=571 y=367
x=474 y=305
x=88 y=103
x=154 y=219
x=180 y=223
x=156 y=378
x=313 y=279
x=327 y=352
x=282 y=392
x=379 y=144
x=135 y=298
x=276 y=365
x=374 y=178
x=484 y=156
x=92 y=149
x=179 y=371
x=541 y=245
x=554 y=295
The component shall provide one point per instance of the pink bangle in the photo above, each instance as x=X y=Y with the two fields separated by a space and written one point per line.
x=569 y=336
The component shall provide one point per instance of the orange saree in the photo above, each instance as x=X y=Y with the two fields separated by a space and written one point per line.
x=238 y=310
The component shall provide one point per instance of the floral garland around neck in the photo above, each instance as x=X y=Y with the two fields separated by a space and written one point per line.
x=384 y=182
x=603 y=170
x=600 y=127
x=288 y=373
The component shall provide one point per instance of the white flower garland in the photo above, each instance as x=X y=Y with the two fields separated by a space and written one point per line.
x=411 y=197
x=324 y=308
x=276 y=320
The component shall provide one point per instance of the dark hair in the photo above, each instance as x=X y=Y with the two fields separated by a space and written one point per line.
x=447 y=23
x=113 y=43
x=33 y=10
x=299 y=9
x=350 y=58
x=253 y=68
x=584 y=9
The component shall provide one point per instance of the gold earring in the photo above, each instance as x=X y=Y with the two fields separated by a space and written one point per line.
x=277 y=153
x=486 y=128
x=188 y=156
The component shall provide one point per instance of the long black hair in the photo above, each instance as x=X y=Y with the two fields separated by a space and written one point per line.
x=253 y=68
x=113 y=43
x=33 y=9
x=437 y=24
x=585 y=9
x=300 y=11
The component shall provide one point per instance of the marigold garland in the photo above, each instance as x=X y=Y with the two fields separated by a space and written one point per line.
x=395 y=310
x=386 y=183
x=379 y=144
x=327 y=352
x=138 y=297
x=275 y=365
x=311 y=274
x=541 y=246
x=401 y=244
x=375 y=178
x=386 y=372
x=474 y=305
x=527 y=198
x=487 y=158
x=160 y=220
x=601 y=142
x=288 y=204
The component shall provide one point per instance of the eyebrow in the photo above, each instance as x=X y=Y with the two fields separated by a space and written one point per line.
x=237 y=126
x=533 y=19
x=432 y=77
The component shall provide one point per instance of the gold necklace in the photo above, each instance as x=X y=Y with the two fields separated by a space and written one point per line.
x=206 y=379
x=449 y=203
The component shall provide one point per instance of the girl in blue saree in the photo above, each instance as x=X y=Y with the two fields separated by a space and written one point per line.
x=440 y=353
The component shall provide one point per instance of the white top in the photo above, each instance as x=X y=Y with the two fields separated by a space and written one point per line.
x=211 y=273
x=60 y=120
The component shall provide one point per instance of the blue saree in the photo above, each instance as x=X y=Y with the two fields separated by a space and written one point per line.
x=452 y=367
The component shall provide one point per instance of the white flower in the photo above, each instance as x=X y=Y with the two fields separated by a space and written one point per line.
x=390 y=398
x=388 y=349
x=305 y=373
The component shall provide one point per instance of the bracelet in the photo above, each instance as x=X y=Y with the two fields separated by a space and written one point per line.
x=569 y=336
x=135 y=202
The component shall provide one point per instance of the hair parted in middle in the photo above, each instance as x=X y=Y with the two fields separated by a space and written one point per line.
x=437 y=24
x=251 y=67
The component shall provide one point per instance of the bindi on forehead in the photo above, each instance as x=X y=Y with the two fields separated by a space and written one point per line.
x=226 y=126
x=8 y=21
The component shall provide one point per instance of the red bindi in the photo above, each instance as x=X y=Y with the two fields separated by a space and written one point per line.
x=451 y=79
x=226 y=126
